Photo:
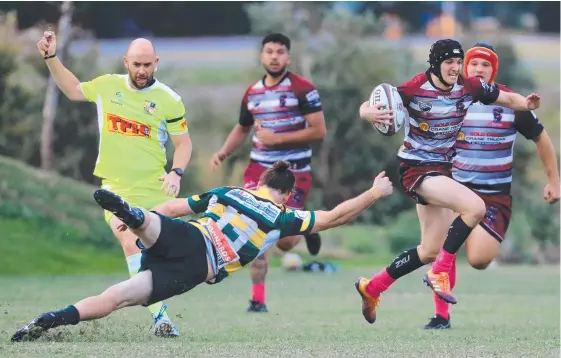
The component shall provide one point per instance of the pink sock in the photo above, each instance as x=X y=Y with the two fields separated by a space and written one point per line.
x=442 y=308
x=444 y=262
x=258 y=292
x=379 y=283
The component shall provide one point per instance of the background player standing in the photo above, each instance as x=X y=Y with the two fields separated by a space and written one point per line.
x=437 y=102
x=136 y=115
x=287 y=112
x=483 y=163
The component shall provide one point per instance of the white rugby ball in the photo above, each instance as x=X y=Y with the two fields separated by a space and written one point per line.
x=292 y=261
x=390 y=98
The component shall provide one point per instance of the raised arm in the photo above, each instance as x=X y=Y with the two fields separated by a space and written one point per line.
x=68 y=83
x=348 y=210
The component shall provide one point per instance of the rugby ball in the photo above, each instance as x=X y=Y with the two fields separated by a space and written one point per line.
x=390 y=98
x=291 y=261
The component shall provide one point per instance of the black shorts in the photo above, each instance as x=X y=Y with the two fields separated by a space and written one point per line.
x=178 y=260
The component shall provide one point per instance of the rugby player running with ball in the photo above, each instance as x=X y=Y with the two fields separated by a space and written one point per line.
x=437 y=101
x=483 y=163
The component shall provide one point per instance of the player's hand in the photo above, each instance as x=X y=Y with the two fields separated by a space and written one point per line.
x=382 y=185
x=47 y=44
x=551 y=192
x=217 y=159
x=533 y=101
x=171 y=184
x=376 y=114
x=267 y=137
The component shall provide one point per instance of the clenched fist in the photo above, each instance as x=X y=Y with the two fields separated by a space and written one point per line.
x=47 y=44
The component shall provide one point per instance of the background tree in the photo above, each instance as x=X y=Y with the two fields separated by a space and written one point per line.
x=52 y=93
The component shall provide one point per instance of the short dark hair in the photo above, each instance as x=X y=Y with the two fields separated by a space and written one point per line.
x=279 y=177
x=278 y=38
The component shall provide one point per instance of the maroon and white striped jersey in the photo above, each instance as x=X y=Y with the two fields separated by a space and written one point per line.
x=436 y=116
x=485 y=146
x=280 y=108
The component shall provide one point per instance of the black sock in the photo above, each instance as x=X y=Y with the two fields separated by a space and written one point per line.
x=457 y=235
x=405 y=263
x=68 y=315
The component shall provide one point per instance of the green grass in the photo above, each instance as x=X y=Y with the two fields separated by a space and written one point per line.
x=505 y=312
x=31 y=247
x=52 y=225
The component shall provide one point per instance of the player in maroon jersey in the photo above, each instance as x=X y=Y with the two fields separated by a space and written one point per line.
x=437 y=102
x=287 y=114
x=483 y=162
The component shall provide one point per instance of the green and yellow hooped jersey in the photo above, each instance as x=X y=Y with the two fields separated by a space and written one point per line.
x=243 y=224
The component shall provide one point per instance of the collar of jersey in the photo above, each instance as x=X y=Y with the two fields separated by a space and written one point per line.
x=263 y=193
x=429 y=78
x=282 y=79
x=139 y=90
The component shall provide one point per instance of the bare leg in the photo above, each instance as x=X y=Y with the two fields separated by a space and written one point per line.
x=132 y=292
x=150 y=229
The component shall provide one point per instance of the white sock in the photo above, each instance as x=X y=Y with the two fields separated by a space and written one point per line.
x=133 y=263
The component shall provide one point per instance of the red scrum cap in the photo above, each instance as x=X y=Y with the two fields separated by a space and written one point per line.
x=485 y=52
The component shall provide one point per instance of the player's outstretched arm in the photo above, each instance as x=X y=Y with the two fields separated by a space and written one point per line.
x=518 y=102
x=65 y=80
x=174 y=208
x=348 y=210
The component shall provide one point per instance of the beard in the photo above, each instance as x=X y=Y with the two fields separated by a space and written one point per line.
x=276 y=74
x=149 y=81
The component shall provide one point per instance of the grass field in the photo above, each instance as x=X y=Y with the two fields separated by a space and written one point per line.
x=505 y=312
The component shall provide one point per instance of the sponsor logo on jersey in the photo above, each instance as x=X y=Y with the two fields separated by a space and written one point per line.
x=149 y=107
x=128 y=127
x=226 y=253
x=267 y=210
x=425 y=106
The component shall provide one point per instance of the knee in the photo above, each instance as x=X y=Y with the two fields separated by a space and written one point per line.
x=287 y=243
x=259 y=262
x=478 y=209
x=479 y=265
x=426 y=253
x=474 y=211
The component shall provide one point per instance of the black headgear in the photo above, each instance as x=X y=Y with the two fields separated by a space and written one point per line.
x=441 y=51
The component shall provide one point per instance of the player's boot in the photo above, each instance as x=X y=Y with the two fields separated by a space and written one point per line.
x=163 y=327
x=369 y=303
x=438 y=322
x=313 y=242
x=36 y=327
x=132 y=217
x=440 y=285
x=255 y=306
